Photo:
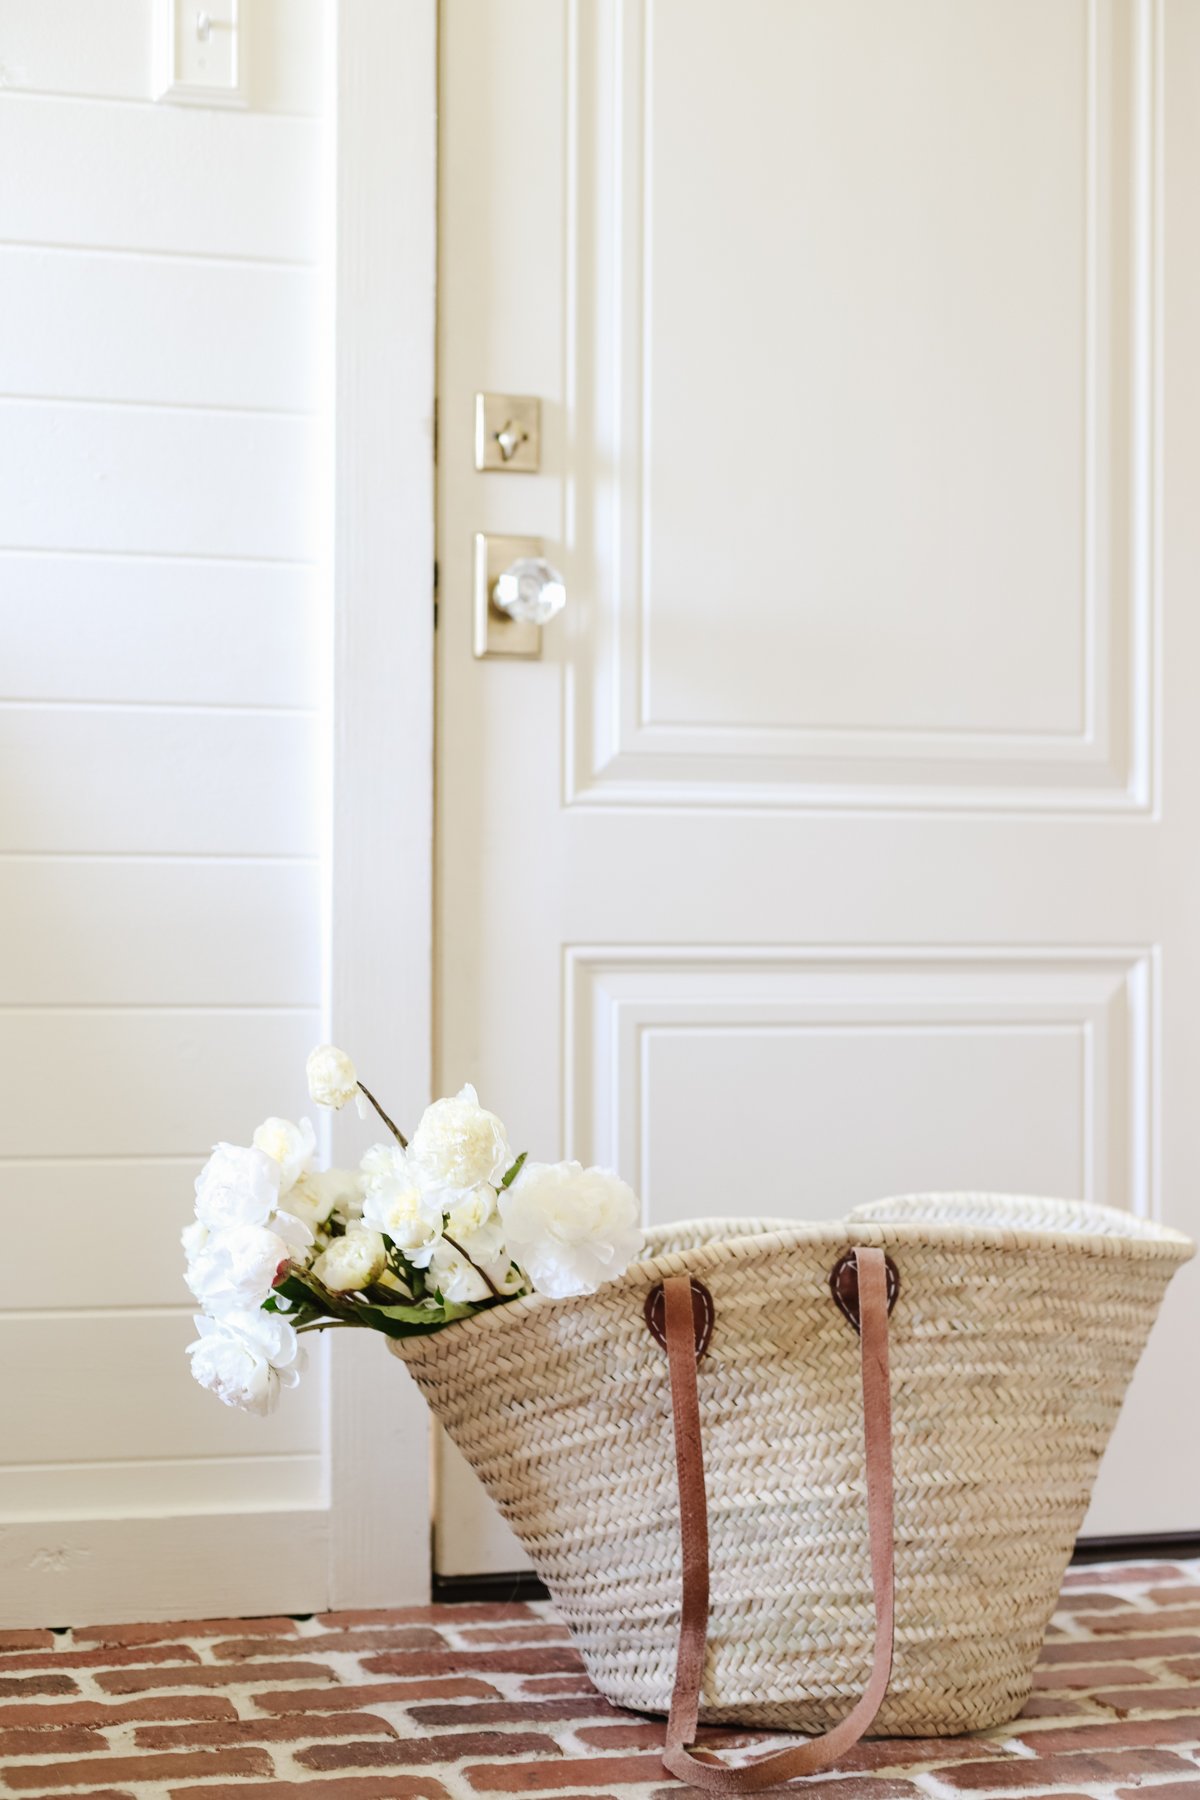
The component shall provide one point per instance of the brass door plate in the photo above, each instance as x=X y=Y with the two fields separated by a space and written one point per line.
x=508 y=433
x=494 y=633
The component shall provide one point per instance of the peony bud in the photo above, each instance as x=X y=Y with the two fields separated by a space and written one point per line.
x=352 y=1262
x=332 y=1077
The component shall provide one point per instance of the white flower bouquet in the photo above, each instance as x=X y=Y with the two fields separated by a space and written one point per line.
x=422 y=1233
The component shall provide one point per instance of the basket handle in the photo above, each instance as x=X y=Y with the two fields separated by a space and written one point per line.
x=815 y=1753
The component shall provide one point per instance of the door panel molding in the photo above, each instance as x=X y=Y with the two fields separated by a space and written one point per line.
x=621 y=749
x=635 y=1017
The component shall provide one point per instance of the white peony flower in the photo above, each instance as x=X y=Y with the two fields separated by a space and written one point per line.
x=316 y=1196
x=474 y=1223
x=246 y=1357
x=454 y=1277
x=193 y=1237
x=236 y=1187
x=571 y=1228
x=291 y=1146
x=381 y=1163
x=295 y=1234
x=236 y=1267
x=351 y=1262
x=504 y=1274
x=332 y=1077
x=412 y=1219
x=458 y=1144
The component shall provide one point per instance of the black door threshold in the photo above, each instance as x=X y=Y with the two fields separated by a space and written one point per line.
x=1152 y=1546
x=453 y=1590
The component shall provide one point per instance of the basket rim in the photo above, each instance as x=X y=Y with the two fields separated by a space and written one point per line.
x=732 y=1243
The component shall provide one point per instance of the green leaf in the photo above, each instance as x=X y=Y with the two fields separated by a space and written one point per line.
x=514 y=1171
x=295 y=1290
x=414 y=1321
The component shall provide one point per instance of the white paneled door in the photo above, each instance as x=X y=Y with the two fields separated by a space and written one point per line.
x=845 y=837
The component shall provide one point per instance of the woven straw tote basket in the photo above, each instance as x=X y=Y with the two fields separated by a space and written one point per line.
x=733 y=1521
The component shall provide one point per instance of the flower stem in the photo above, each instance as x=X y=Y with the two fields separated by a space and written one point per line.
x=395 y=1130
x=327 y=1325
x=455 y=1245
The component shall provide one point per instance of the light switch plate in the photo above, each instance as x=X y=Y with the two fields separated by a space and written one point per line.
x=198 y=53
x=508 y=433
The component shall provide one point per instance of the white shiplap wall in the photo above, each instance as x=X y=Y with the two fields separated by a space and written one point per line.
x=161 y=774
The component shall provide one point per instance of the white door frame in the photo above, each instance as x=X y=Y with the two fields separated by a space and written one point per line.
x=380 y=922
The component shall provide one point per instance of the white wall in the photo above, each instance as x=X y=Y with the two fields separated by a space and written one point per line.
x=161 y=742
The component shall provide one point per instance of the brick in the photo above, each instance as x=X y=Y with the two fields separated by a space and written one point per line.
x=354 y=1787
x=512 y=1712
x=1089 y=1675
x=27 y=1640
x=91 y=1794
x=1124 y=1650
x=37 y=1684
x=243 y=1649
x=103 y=1713
x=407 y=1752
x=1159 y=1699
x=1098 y=1601
x=877 y=1754
x=542 y=1633
x=1063 y=1704
x=67 y=1740
x=1113 y=1734
x=136 y=1681
x=1187 y=1667
x=100 y=1659
x=467 y=1614
x=152 y=1633
x=651 y=1734
x=1179 y=1618
x=1100 y=1575
x=1043 y=1772
x=285 y=1729
x=24 y=1776
x=1186 y=1593
x=372 y=1694
x=563 y=1773
x=1171 y=1790
x=465 y=1662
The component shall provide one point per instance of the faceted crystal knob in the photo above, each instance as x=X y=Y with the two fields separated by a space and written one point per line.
x=531 y=590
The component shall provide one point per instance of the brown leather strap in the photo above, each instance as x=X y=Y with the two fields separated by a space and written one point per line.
x=814 y=1753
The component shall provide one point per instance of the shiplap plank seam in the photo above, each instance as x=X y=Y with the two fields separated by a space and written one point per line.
x=242 y=709
x=158 y=556
x=108 y=403
x=176 y=1009
x=135 y=1462
x=137 y=252
x=244 y=858
x=143 y=102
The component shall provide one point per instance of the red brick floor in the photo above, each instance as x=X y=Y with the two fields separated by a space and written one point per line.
x=460 y=1702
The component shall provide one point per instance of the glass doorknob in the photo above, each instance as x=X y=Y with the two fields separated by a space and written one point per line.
x=530 y=590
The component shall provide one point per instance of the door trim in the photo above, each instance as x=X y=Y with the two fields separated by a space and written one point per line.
x=383 y=214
